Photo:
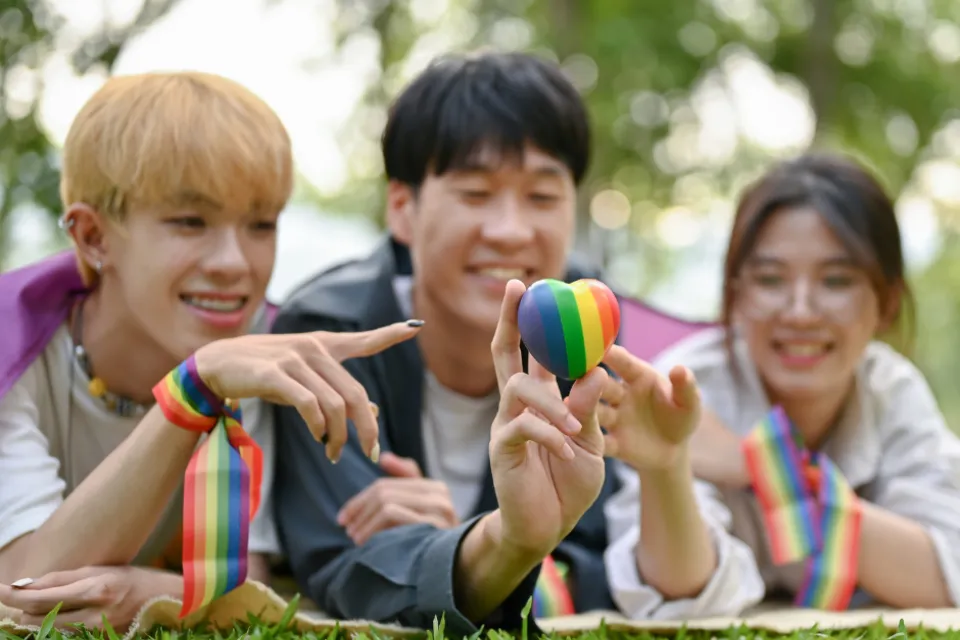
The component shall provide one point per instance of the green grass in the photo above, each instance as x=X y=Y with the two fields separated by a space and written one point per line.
x=255 y=629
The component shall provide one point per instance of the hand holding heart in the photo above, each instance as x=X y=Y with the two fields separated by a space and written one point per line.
x=570 y=329
x=546 y=453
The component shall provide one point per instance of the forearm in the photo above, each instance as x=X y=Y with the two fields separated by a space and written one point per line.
x=110 y=515
x=486 y=573
x=897 y=562
x=675 y=554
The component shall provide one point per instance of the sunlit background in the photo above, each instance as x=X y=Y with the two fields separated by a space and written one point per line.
x=690 y=100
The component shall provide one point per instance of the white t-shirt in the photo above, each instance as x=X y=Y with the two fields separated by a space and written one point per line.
x=455 y=429
x=456 y=439
x=53 y=433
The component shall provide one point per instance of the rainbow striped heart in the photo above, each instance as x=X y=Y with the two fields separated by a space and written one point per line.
x=568 y=328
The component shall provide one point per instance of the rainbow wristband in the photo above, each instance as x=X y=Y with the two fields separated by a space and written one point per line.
x=221 y=492
x=831 y=574
x=186 y=400
x=775 y=462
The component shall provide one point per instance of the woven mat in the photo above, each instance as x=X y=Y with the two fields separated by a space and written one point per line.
x=269 y=607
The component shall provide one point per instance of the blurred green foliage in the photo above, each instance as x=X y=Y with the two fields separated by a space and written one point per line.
x=680 y=95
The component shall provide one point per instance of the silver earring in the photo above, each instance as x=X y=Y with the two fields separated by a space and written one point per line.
x=98 y=266
x=65 y=223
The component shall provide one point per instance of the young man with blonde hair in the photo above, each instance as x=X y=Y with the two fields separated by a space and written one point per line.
x=115 y=376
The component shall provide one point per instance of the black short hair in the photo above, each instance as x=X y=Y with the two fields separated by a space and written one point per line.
x=460 y=104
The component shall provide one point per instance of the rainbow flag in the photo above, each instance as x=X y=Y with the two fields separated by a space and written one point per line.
x=551 y=597
x=221 y=496
x=831 y=574
x=776 y=462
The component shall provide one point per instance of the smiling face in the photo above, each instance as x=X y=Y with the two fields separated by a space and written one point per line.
x=190 y=275
x=475 y=227
x=173 y=184
x=806 y=310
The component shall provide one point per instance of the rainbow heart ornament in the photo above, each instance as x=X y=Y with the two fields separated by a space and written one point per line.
x=568 y=328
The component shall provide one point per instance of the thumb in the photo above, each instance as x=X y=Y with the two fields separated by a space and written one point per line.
x=360 y=344
x=399 y=467
x=585 y=397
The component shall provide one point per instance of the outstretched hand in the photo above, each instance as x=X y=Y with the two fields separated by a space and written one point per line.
x=648 y=417
x=546 y=454
x=303 y=370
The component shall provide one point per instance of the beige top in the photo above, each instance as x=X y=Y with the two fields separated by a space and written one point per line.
x=892 y=445
x=53 y=433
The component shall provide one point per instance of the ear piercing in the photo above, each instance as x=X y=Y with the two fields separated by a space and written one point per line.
x=98 y=267
x=64 y=222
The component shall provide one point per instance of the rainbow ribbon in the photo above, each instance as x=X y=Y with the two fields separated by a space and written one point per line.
x=776 y=462
x=221 y=486
x=551 y=596
x=831 y=574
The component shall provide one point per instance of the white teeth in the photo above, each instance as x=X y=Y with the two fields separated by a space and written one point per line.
x=503 y=274
x=803 y=350
x=214 y=304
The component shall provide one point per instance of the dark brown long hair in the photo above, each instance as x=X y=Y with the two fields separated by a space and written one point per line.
x=856 y=208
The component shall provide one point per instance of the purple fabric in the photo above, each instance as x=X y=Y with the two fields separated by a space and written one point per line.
x=646 y=332
x=34 y=302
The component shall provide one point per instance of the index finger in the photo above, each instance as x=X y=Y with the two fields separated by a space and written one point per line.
x=360 y=344
x=60 y=578
x=505 y=346
x=75 y=595
x=626 y=365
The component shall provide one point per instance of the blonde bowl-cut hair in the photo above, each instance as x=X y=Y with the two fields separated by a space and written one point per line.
x=155 y=139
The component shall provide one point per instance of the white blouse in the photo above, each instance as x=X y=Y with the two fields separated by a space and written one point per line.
x=891 y=444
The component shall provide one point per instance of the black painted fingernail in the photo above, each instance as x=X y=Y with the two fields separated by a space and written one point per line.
x=323 y=439
x=414 y=323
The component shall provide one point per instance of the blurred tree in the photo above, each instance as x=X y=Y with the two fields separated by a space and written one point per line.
x=692 y=99
x=28 y=36
x=655 y=73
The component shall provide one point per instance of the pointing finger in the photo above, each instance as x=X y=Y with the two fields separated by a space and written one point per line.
x=360 y=344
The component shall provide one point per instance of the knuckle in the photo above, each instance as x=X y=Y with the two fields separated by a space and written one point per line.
x=392 y=513
x=514 y=383
x=356 y=395
x=337 y=406
x=381 y=491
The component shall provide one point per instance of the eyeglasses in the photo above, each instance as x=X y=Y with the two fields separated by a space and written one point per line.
x=839 y=297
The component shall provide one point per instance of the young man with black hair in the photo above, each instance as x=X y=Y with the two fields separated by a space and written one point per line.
x=493 y=473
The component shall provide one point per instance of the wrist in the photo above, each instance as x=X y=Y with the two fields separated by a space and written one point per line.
x=487 y=570
x=506 y=551
x=676 y=468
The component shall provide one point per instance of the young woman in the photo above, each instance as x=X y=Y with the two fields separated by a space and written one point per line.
x=118 y=361
x=827 y=452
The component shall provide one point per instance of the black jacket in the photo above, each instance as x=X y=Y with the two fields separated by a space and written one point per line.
x=405 y=574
